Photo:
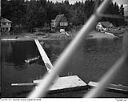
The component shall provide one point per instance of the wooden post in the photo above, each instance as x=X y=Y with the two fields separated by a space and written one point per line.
x=125 y=41
x=125 y=46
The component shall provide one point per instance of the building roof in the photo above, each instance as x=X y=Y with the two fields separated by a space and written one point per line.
x=106 y=24
x=59 y=18
x=4 y=20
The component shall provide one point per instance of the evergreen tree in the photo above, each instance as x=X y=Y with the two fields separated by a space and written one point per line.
x=36 y=13
x=121 y=10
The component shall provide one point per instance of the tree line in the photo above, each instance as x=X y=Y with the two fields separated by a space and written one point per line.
x=38 y=13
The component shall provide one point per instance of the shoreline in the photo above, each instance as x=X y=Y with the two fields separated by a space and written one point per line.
x=92 y=35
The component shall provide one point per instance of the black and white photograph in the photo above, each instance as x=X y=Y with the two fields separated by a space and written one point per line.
x=64 y=49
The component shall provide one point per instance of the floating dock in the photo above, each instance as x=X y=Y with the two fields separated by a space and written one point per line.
x=67 y=82
x=62 y=83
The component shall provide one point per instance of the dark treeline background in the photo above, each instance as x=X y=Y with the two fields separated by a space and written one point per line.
x=38 y=13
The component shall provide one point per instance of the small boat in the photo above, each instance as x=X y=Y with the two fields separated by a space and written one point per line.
x=32 y=59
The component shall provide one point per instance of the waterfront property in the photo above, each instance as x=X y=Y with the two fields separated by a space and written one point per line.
x=5 y=24
x=104 y=26
x=60 y=22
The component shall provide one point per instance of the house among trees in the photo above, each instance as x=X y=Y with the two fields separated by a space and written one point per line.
x=5 y=25
x=104 y=26
x=60 y=22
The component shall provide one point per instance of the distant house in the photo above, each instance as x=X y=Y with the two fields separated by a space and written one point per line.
x=104 y=26
x=60 y=22
x=5 y=25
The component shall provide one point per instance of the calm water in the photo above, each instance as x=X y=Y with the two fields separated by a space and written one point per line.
x=92 y=59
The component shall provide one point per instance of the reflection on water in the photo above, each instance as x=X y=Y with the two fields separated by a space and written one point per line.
x=92 y=59
x=17 y=52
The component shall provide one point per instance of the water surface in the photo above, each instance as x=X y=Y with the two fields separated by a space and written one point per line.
x=92 y=59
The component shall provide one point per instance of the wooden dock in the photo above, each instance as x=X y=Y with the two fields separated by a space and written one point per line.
x=66 y=83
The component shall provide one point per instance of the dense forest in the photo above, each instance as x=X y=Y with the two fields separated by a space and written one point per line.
x=38 y=13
